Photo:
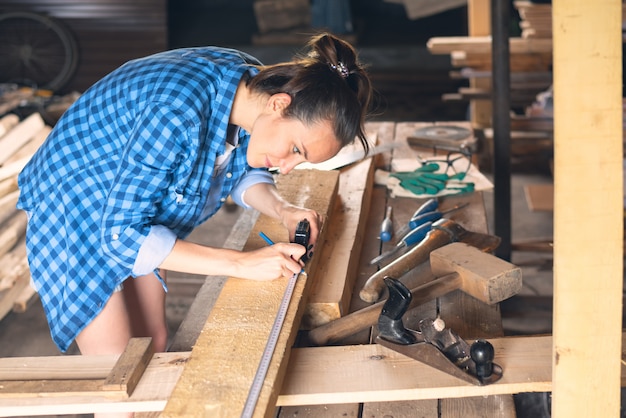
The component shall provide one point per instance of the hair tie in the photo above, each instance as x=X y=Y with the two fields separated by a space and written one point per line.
x=340 y=68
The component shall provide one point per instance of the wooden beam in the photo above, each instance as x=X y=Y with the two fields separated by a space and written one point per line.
x=218 y=377
x=330 y=295
x=482 y=45
x=588 y=237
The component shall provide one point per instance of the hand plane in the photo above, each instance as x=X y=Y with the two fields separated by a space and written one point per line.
x=433 y=344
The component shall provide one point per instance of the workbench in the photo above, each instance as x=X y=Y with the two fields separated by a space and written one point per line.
x=469 y=317
x=210 y=364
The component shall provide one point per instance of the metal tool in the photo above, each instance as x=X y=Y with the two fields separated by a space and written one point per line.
x=412 y=238
x=386 y=228
x=433 y=344
x=456 y=266
x=302 y=235
x=444 y=231
x=444 y=137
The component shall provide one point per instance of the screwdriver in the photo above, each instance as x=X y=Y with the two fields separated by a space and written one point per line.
x=409 y=239
x=428 y=206
x=386 y=228
x=432 y=216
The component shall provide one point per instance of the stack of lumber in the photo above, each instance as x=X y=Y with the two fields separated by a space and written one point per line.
x=535 y=19
x=531 y=75
x=18 y=142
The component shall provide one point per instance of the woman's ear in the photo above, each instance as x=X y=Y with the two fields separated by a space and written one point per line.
x=279 y=102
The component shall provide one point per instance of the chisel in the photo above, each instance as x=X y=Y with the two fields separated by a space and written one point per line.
x=409 y=239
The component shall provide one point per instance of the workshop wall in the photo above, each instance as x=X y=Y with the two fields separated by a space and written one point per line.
x=108 y=32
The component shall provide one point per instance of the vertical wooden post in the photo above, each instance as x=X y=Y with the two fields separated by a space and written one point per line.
x=588 y=217
x=479 y=24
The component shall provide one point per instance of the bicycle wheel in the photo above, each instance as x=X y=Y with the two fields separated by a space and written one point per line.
x=36 y=49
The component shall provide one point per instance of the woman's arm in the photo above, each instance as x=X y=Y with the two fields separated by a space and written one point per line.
x=266 y=263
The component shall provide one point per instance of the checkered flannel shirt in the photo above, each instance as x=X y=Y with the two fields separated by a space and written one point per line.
x=135 y=152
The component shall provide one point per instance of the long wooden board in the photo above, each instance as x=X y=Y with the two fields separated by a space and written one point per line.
x=482 y=44
x=315 y=376
x=330 y=296
x=224 y=360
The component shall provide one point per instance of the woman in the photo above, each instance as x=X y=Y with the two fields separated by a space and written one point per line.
x=150 y=152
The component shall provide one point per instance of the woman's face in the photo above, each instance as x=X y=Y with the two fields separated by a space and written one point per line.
x=283 y=143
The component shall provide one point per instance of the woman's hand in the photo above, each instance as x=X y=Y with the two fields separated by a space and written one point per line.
x=271 y=262
x=292 y=215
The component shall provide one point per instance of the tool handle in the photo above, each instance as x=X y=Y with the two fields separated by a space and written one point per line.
x=417 y=234
x=375 y=285
x=354 y=322
x=428 y=206
x=386 y=228
x=419 y=220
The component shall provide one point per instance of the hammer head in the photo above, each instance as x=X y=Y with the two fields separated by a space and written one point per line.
x=483 y=276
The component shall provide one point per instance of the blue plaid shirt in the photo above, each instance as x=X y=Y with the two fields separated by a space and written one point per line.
x=129 y=168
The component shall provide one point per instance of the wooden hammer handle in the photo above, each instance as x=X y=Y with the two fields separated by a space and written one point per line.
x=366 y=317
x=375 y=285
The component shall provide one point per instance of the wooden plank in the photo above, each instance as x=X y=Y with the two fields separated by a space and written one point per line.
x=361 y=373
x=151 y=393
x=330 y=297
x=372 y=373
x=218 y=377
x=588 y=238
x=130 y=366
x=482 y=45
x=20 y=135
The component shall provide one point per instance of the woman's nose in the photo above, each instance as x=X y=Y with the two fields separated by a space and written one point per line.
x=288 y=164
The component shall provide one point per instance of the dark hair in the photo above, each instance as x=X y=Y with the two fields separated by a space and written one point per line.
x=328 y=83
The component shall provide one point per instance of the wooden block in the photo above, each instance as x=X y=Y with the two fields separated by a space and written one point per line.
x=540 y=197
x=130 y=366
x=226 y=356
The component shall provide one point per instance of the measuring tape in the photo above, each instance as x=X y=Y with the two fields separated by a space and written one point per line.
x=264 y=364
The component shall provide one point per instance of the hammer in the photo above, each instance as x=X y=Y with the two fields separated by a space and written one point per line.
x=457 y=266
x=443 y=232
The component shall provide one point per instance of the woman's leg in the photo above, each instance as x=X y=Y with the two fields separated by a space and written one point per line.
x=145 y=302
x=109 y=332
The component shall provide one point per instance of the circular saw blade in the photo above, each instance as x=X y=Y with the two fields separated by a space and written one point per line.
x=442 y=132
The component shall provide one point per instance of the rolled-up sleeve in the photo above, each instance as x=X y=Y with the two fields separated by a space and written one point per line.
x=252 y=177
x=155 y=248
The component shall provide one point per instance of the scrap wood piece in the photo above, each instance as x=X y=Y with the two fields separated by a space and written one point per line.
x=223 y=363
x=19 y=136
x=151 y=393
x=120 y=382
x=330 y=295
x=130 y=366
